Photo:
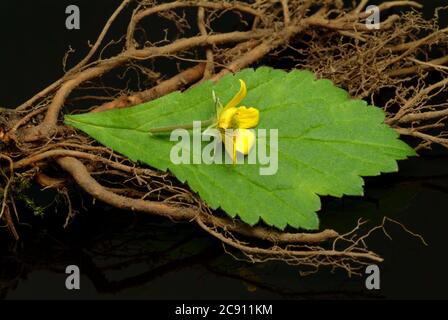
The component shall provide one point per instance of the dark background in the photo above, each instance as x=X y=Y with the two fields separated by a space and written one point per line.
x=123 y=255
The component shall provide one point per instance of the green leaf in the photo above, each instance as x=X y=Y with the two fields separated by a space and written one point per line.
x=326 y=142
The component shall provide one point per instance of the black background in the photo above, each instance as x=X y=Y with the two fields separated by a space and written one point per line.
x=33 y=42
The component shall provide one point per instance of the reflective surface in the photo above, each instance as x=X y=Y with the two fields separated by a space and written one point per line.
x=122 y=255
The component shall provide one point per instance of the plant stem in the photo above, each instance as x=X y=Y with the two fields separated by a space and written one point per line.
x=182 y=126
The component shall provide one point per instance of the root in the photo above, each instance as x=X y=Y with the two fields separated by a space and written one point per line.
x=5 y=212
x=175 y=83
x=82 y=177
x=408 y=56
x=303 y=255
x=348 y=251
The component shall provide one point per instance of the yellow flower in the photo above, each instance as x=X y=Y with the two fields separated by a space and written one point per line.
x=240 y=120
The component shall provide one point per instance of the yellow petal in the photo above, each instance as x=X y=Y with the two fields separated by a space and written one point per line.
x=234 y=149
x=240 y=140
x=246 y=118
x=238 y=97
x=228 y=138
x=226 y=117
x=242 y=117
x=244 y=140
